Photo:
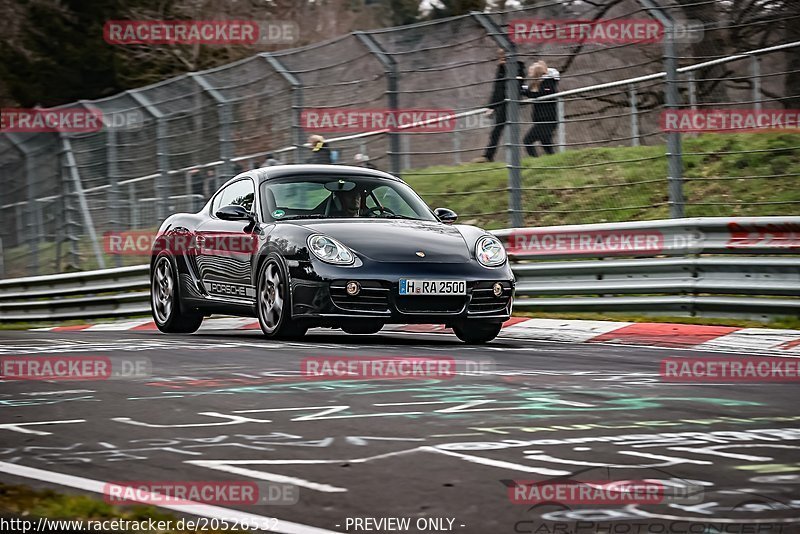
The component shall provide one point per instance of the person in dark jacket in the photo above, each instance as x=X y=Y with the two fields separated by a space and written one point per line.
x=320 y=151
x=544 y=81
x=497 y=104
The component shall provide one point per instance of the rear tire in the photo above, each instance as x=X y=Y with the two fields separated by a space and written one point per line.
x=273 y=302
x=165 y=301
x=363 y=328
x=477 y=332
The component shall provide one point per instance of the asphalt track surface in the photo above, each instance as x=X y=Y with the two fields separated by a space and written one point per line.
x=233 y=406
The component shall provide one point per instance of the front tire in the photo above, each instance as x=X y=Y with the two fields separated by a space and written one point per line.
x=477 y=332
x=165 y=302
x=273 y=302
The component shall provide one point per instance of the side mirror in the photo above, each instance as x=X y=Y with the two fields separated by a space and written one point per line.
x=445 y=215
x=234 y=213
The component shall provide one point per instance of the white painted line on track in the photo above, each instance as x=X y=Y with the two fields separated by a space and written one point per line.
x=196 y=509
x=113 y=327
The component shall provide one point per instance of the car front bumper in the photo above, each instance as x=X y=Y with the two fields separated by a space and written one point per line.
x=318 y=293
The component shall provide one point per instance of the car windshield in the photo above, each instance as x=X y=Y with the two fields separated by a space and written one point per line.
x=333 y=196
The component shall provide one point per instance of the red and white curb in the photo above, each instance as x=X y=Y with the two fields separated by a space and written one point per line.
x=775 y=342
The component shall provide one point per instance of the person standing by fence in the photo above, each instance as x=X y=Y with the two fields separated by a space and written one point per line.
x=543 y=81
x=320 y=151
x=497 y=104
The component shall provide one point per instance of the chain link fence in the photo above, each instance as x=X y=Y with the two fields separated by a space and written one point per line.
x=607 y=157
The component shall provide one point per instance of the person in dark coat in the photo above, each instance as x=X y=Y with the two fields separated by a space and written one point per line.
x=320 y=151
x=497 y=104
x=544 y=81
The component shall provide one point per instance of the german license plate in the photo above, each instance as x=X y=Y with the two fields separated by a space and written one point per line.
x=432 y=287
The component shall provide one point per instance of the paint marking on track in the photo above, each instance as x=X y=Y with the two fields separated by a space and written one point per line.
x=191 y=508
x=222 y=465
x=501 y=464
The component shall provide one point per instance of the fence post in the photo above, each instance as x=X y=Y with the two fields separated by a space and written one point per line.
x=19 y=216
x=562 y=126
x=223 y=108
x=672 y=101
x=88 y=224
x=133 y=205
x=34 y=213
x=392 y=93
x=187 y=184
x=674 y=144
x=692 y=90
x=457 y=146
x=161 y=153
x=755 y=72
x=112 y=199
x=513 y=163
x=634 y=115
x=69 y=224
x=297 y=104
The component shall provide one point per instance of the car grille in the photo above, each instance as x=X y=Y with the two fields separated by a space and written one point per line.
x=372 y=298
x=484 y=301
x=431 y=304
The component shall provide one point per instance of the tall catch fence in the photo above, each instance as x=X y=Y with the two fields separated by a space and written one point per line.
x=611 y=159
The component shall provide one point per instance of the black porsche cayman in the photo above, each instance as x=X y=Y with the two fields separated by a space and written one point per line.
x=302 y=246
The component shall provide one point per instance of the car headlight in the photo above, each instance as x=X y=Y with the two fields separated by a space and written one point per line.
x=329 y=250
x=489 y=251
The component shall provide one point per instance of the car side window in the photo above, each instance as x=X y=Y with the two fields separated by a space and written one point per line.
x=240 y=193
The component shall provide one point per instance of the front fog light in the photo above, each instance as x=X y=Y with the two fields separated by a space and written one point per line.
x=497 y=289
x=353 y=288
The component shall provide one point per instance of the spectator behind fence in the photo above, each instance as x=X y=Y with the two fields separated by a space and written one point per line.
x=362 y=160
x=543 y=81
x=270 y=161
x=497 y=104
x=320 y=151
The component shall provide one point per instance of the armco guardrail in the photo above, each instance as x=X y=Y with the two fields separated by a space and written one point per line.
x=706 y=266
x=683 y=266
x=88 y=294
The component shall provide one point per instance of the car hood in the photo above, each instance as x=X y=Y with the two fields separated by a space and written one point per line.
x=397 y=240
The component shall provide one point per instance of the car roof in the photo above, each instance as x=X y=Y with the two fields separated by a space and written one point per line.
x=282 y=171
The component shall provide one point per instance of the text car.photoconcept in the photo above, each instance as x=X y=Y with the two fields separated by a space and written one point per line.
x=302 y=246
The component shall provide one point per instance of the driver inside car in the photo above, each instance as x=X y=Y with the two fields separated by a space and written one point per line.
x=347 y=203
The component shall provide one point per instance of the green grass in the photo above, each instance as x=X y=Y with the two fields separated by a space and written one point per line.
x=17 y=501
x=626 y=183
